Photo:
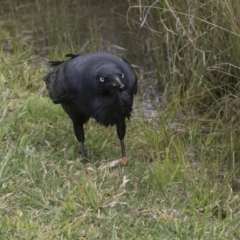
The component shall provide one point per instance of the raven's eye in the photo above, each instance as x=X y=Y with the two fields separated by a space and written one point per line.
x=122 y=76
x=101 y=79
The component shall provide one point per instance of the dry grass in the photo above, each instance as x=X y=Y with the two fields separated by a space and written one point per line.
x=182 y=176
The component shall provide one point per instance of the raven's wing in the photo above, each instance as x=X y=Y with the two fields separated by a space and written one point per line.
x=62 y=82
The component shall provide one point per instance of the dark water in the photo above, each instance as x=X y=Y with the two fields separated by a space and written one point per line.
x=84 y=26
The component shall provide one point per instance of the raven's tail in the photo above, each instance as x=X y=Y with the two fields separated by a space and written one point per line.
x=69 y=55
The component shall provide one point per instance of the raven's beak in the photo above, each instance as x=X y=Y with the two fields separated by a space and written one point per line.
x=117 y=83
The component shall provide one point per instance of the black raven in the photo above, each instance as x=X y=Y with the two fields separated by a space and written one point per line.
x=98 y=85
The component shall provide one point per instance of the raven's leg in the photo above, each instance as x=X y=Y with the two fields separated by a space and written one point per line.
x=123 y=148
x=79 y=132
x=121 y=130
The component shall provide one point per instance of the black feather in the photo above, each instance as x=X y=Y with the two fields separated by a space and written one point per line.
x=97 y=85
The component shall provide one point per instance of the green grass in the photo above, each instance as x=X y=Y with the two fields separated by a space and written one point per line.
x=178 y=185
x=181 y=181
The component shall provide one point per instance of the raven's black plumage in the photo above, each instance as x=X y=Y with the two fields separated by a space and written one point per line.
x=98 y=85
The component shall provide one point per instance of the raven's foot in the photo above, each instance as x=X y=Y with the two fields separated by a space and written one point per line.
x=116 y=163
x=85 y=160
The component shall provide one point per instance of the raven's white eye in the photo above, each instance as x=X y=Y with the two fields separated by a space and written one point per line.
x=122 y=76
x=101 y=79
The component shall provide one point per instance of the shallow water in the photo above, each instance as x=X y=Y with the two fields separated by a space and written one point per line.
x=82 y=25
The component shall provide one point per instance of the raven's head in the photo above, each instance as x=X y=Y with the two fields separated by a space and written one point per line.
x=110 y=78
